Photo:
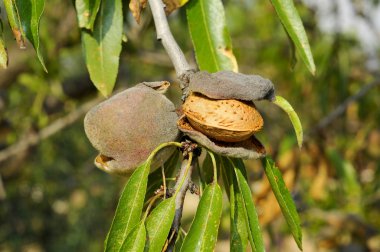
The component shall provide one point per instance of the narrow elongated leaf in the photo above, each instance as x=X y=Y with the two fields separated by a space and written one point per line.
x=30 y=13
x=86 y=12
x=102 y=47
x=135 y=240
x=284 y=199
x=239 y=230
x=252 y=219
x=15 y=22
x=129 y=209
x=292 y=22
x=3 y=50
x=285 y=105
x=158 y=225
x=211 y=40
x=204 y=229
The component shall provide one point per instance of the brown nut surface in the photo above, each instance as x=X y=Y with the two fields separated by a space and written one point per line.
x=225 y=120
x=126 y=128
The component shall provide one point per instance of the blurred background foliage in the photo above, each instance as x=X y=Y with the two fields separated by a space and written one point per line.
x=52 y=198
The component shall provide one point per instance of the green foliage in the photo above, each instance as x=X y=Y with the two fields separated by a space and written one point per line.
x=209 y=33
x=290 y=19
x=284 y=199
x=102 y=46
x=158 y=225
x=204 y=229
x=86 y=12
x=285 y=105
x=30 y=13
x=129 y=209
x=135 y=240
x=3 y=50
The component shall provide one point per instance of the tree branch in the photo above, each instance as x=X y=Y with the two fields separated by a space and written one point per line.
x=54 y=127
x=180 y=198
x=338 y=111
x=166 y=37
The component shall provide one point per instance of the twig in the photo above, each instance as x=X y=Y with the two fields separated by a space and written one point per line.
x=180 y=199
x=166 y=37
x=54 y=127
x=338 y=111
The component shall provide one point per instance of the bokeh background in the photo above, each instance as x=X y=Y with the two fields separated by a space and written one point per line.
x=52 y=198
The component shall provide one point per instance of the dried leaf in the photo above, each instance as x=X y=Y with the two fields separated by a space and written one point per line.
x=172 y=5
x=136 y=7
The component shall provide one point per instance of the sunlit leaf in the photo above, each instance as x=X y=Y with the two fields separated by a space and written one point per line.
x=285 y=105
x=284 y=199
x=102 y=47
x=14 y=21
x=292 y=22
x=158 y=225
x=209 y=33
x=3 y=50
x=86 y=12
x=129 y=209
x=252 y=220
x=204 y=229
x=30 y=13
x=238 y=224
x=135 y=240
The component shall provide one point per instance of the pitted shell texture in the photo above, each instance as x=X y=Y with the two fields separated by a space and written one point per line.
x=225 y=120
x=126 y=128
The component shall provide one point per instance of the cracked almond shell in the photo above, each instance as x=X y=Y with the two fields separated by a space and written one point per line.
x=225 y=120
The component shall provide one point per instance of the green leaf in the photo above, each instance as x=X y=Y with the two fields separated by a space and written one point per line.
x=15 y=22
x=249 y=209
x=135 y=240
x=128 y=211
x=3 y=50
x=209 y=33
x=102 y=47
x=284 y=199
x=239 y=230
x=86 y=12
x=158 y=225
x=292 y=22
x=204 y=229
x=30 y=13
x=285 y=105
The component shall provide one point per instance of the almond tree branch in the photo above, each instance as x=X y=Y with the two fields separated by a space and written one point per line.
x=180 y=198
x=166 y=37
x=51 y=129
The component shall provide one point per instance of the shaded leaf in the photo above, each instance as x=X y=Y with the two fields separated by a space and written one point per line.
x=249 y=209
x=102 y=47
x=238 y=224
x=210 y=37
x=158 y=225
x=3 y=49
x=30 y=13
x=86 y=12
x=284 y=199
x=292 y=22
x=129 y=209
x=204 y=229
x=136 y=7
x=179 y=242
x=285 y=105
x=15 y=22
x=135 y=240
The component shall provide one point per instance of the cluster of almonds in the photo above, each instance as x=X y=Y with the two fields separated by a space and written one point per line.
x=218 y=113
